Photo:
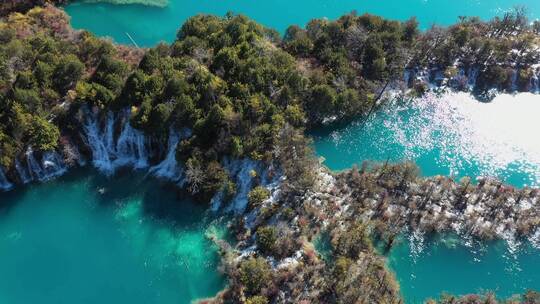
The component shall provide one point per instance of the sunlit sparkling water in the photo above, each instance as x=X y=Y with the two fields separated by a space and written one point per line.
x=449 y=134
x=87 y=239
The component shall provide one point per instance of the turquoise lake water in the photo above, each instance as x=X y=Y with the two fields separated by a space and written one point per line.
x=149 y=25
x=64 y=242
x=452 y=134
x=450 y=264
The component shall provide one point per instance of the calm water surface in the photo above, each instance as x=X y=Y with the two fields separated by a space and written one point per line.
x=64 y=242
x=453 y=265
x=149 y=25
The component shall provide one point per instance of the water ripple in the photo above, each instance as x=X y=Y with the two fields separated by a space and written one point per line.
x=450 y=134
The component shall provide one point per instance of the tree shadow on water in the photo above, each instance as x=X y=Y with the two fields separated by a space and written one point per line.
x=9 y=199
x=160 y=200
x=39 y=190
x=166 y=202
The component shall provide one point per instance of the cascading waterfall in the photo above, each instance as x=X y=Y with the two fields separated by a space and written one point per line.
x=461 y=73
x=33 y=166
x=21 y=171
x=108 y=155
x=242 y=172
x=96 y=142
x=466 y=78
x=217 y=201
x=108 y=134
x=473 y=75
x=131 y=148
x=4 y=183
x=169 y=167
x=439 y=78
x=52 y=165
x=273 y=185
x=407 y=77
x=513 y=79
x=535 y=82
x=423 y=76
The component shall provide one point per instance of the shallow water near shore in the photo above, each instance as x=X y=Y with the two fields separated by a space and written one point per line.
x=453 y=265
x=84 y=238
x=149 y=25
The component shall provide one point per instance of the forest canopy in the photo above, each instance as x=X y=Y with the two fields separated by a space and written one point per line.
x=236 y=84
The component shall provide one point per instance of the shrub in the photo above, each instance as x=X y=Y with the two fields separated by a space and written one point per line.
x=255 y=274
x=230 y=189
x=257 y=300
x=341 y=267
x=67 y=73
x=256 y=196
x=43 y=135
x=266 y=239
x=353 y=241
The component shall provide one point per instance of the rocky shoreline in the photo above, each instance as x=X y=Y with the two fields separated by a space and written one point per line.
x=485 y=209
x=386 y=200
x=422 y=80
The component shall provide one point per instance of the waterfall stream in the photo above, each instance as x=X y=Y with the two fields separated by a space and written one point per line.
x=21 y=171
x=4 y=183
x=169 y=167
x=466 y=79
x=96 y=142
x=50 y=166
x=244 y=172
x=535 y=82
x=131 y=148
